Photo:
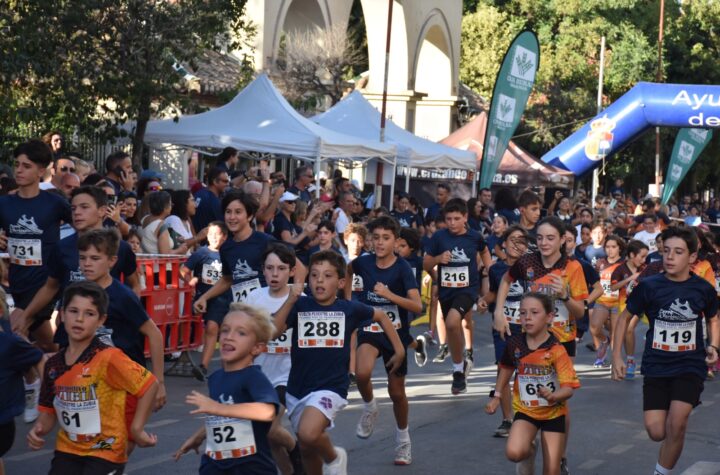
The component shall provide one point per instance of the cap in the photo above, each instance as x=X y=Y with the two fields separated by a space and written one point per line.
x=152 y=174
x=287 y=196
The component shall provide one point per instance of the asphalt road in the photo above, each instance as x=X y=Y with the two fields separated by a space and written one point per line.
x=452 y=434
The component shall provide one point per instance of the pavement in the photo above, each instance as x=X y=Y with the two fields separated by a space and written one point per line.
x=450 y=434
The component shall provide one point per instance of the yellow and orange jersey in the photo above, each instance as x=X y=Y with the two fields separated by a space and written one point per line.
x=535 y=277
x=547 y=366
x=609 y=298
x=703 y=269
x=88 y=399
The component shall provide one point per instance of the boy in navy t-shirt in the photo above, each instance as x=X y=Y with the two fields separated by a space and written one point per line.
x=676 y=358
x=386 y=282
x=242 y=402
x=202 y=270
x=318 y=383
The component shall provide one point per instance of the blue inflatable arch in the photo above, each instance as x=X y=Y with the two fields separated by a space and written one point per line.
x=644 y=106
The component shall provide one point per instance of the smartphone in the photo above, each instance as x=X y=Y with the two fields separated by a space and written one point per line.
x=112 y=200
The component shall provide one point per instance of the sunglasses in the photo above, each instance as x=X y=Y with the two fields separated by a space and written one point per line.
x=67 y=169
x=155 y=188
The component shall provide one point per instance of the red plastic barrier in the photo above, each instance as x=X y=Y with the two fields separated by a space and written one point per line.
x=168 y=302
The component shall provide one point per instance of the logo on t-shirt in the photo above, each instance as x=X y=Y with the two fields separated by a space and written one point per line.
x=458 y=255
x=229 y=399
x=678 y=311
x=516 y=289
x=403 y=223
x=372 y=297
x=25 y=225
x=76 y=275
x=243 y=271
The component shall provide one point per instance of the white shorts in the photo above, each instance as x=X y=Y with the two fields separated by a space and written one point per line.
x=327 y=402
x=275 y=366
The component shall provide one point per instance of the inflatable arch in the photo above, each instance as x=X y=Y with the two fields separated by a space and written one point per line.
x=646 y=105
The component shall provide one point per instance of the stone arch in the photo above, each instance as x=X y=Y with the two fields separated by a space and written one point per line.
x=299 y=15
x=434 y=55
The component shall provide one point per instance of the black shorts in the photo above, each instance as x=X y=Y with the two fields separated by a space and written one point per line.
x=659 y=392
x=216 y=310
x=570 y=347
x=7 y=436
x=64 y=463
x=463 y=303
x=22 y=300
x=281 y=392
x=549 y=425
x=381 y=342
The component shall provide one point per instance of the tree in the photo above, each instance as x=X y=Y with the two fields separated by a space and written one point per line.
x=89 y=65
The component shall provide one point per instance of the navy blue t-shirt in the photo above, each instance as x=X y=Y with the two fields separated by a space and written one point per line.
x=304 y=194
x=280 y=224
x=594 y=254
x=208 y=209
x=17 y=356
x=126 y=315
x=320 y=352
x=399 y=278
x=416 y=264
x=406 y=218
x=227 y=434
x=674 y=342
x=512 y=301
x=204 y=264
x=591 y=275
x=242 y=262
x=654 y=257
x=432 y=212
x=460 y=275
x=33 y=230
x=425 y=244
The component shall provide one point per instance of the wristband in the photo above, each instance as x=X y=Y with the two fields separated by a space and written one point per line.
x=717 y=350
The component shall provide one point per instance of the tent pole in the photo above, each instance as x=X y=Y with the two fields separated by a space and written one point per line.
x=392 y=183
x=318 y=159
x=407 y=178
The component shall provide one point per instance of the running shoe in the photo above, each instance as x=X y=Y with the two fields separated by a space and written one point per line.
x=602 y=349
x=337 y=466
x=591 y=346
x=468 y=362
x=403 y=453
x=200 y=372
x=503 y=429
x=442 y=354
x=32 y=396
x=527 y=466
x=421 y=351
x=430 y=338
x=630 y=368
x=353 y=379
x=599 y=363
x=458 y=385
x=366 y=424
x=563 y=467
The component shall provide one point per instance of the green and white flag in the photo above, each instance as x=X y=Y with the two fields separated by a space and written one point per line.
x=689 y=144
x=512 y=88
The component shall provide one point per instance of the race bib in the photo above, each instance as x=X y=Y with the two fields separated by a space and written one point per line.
x=455 y=277
x=228 y=438
x=511 y=310
x=674 y=336
x=242 y=290
x=562 y=316
x=357 y=283
x=530 y=387
x=211 y=273
x=79 y=419
x=607 y=290
x=321 y=329
x=25 y=252
x=281 y=344
x=393 y=314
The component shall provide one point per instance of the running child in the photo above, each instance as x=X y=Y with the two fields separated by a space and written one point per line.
x=544 y=380
x=279 y=262
x=675 y=359
x=85 y=389
x=202 y=270
x=458 y=253
x=390 y=285
x=242 y=402
x=326 y=238
x=318 y=383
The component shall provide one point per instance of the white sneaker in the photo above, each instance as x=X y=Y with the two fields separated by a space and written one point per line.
x=366 y=424
x=527 y=466
x=32 y=396
x=403 y=453
x=337 y=466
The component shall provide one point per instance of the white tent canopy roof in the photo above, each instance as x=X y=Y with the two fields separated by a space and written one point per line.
x=355 y=115
x=259 y=119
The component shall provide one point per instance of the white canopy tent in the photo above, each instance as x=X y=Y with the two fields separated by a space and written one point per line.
x=356 y=116
x=259 y=119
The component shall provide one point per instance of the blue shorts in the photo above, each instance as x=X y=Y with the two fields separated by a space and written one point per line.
x=216 y=310
x=500 y=344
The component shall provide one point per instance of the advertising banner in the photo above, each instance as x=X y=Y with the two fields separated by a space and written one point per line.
x=689 y=144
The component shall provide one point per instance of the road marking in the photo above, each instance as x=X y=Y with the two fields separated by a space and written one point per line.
x=623 y=421
x=158 y=459
x=590 y=464
x=162 y=422
x=29 y=455
x=703 y=468
x=708 y=403
x=642 y=435
x=619 y=449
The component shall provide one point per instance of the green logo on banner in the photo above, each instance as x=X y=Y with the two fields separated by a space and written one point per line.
x=510 y=95
x=689 y=144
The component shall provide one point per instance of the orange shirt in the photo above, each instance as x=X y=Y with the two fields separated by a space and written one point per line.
x=535 y=277
x=549 y=365
x=88 y=399
x=703 y=269
x=609 y=298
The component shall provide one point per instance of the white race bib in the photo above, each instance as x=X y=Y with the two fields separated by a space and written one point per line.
x=211 y=273
x=607 y=290
x=530 y=386
x=357 y=283
x=281 y=344
x=562 y=316
x=393 y=314
x=228 y=438
x=25 y=252
x=78 y=418
x=242 y=290
x=674 y=336
x=321 y=329
x=511 y=310
x=455 y=277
